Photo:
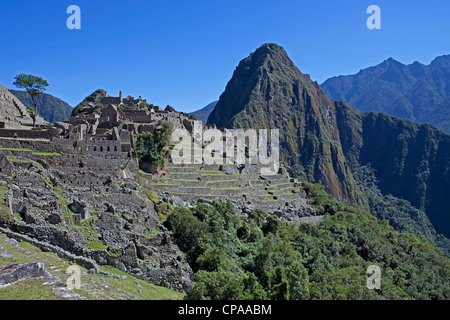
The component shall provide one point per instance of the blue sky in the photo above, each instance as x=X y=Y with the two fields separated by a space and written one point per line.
x=183 y=53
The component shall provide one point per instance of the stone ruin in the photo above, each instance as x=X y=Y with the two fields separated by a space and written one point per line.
x=13 y=113
x=75 y=188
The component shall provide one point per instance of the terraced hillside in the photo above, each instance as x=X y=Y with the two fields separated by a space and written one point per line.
x=13 y=113
x=244 y=185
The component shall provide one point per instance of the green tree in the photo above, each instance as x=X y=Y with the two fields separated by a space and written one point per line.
x=150 y=146
x=35 y=86
x=260 y=257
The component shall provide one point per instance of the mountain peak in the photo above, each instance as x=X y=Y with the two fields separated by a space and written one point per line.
x=268 y=91
x=441 y=61
x=392 y=62
x=270 y=48
x=259 y=77
x=268 y=52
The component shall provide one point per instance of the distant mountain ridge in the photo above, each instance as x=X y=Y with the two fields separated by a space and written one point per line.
x=416 y=91
x=51 y=108
x=333 y=143
x=203 y=114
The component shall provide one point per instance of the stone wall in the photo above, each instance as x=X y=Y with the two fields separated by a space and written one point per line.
x=33 y=145
x=99 y=147
x=111 y=100
x=31 y=134
x=139 y=116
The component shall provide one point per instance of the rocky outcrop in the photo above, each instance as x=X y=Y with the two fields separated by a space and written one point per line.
x=87 y=263
x=103 y=224
x=15 y=272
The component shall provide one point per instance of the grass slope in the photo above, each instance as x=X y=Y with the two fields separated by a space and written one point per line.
x=110 y=284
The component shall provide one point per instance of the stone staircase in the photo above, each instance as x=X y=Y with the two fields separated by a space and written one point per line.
x=23 y=114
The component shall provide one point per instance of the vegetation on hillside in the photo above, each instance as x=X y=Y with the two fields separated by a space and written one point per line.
x=400 y=213
x=151 y=146
x=260 y=257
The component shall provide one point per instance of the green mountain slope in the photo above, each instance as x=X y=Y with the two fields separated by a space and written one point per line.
x=410 y=161
x=260 y=257
x=417 y=92
x=332 y=142
x=50 y=108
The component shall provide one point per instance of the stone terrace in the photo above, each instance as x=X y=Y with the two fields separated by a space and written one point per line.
x=191 y=182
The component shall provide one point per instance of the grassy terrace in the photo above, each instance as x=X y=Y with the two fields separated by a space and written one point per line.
x=14 y=159
x=185 y=173
x=47 y=153
x=270 y=186
x=152 y=195
x=193 y=187
x=198 y=195
x=218 y=181
x=181 y=166
x=162 y=184
x=14 y=149
x=277 y=194
x=283 y=189
x=223 y=174
x=229 y=188
x=33 y=152
x=266 y=195
x=280 y=179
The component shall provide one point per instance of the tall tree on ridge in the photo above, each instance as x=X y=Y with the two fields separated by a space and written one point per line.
x=34 y=86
